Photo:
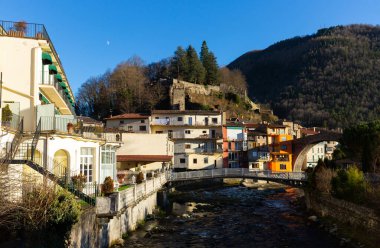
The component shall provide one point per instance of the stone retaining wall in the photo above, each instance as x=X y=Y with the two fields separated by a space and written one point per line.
x=343 y=211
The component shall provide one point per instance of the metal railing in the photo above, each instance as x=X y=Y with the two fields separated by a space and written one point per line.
x=61 y=125
x=236 y=173
x=12 y=147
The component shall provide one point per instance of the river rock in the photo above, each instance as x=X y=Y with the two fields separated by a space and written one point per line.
x=313 y=218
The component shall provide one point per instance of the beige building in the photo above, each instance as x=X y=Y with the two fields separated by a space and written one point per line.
x=197 y=136
x=36 y=93
x=145 y=152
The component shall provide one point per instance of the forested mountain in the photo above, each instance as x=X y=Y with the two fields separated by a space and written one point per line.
x=330 y=78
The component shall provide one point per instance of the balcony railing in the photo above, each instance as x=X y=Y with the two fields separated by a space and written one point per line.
x=175 y=122
x=72 y=126
x=51 y=80
x=11 y=121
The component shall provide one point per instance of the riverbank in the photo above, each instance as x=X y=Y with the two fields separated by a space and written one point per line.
x=350 y=222
x=234 y=216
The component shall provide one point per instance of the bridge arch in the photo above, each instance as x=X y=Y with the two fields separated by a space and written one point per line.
x=303 y=145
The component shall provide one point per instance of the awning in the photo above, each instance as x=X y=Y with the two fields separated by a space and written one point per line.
x=73 y=104
x=58 y=77
x=44 y=99
x=46 y=59
x=66 y=91
x=63 y=85
x=53 y=69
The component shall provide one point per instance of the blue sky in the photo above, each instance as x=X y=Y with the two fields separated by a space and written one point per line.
x=94 y=36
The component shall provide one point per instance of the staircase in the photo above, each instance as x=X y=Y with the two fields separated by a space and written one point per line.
x=25 y=154
x=12 y=148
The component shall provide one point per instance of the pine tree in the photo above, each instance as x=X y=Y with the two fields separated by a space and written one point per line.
x=208 y=60
x=179 y=65
x=196 y=72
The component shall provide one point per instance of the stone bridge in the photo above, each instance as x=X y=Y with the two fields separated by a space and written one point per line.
x=302 y=146
x=290 y=178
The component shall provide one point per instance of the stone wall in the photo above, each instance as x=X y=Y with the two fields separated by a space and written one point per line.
x=343 y=211
x=85 y=232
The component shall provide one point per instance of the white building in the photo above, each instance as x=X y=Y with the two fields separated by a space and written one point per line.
x=133 y=122
x=197 y=136
x=36 y=90
x=316 y=153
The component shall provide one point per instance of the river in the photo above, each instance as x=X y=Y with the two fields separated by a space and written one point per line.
x=235 y=216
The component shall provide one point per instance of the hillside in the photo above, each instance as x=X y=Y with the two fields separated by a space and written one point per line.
x=330 y=78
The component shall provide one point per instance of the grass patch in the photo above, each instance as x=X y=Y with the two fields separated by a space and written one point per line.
x=124 y=187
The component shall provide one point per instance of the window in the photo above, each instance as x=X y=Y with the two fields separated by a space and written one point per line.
x=107 y=162
x=142 y=128
x=187 y=146
x=130 y=128
x=187 y=131
x=282 y=166
x=182 y=160
x=122 y=122
x=159 y=132
x=142 y=121
x=284 y=147
x=156 y=118
x=179 y=119
x=214 y=120
x=204 y=131
x=205 y=160
x=229 y=145
x=86 y=162
x=195 y=161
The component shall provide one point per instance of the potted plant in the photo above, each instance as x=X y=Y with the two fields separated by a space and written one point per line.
x=70 y=128
x=79 y=181
x=107 y=186
x=120 y=177
x=6 y=115
x=140 y=177
x=20 y=28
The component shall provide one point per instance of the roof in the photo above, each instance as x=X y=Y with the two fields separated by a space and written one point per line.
x=309 y=131
x=143 y=158
x=129 y=116
x=202 y=112
x=86 y=119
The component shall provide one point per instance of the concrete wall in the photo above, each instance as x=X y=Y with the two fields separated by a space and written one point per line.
x=131 y=125
x=196 y=88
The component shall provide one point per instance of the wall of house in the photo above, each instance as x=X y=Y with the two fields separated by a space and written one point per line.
x=20 y=62
x=187 y=119
x=72 y=147
x=145 y=144
x=132 y=125
x=315 y=153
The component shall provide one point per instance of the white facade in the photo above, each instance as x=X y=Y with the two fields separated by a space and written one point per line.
x=315 y=153
x=130 y=125
x=197 y=137
x=36 y=88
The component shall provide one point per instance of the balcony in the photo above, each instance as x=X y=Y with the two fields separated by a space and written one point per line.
x=174 y=122
x=50 y=87
x=60 y=125
x=181 y=135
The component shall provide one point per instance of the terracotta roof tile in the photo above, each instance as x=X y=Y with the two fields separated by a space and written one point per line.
x=143 y=158
x=129 y=116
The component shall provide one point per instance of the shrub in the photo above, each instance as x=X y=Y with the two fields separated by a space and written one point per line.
x=64 y=209
x=349 y=185
x=107 y=186
x=6 y=113
x=140 y=178
x=321 y=178
x=78 y=181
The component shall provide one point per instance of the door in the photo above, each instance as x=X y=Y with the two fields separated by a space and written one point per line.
x=206 y=121
x=190 y=120
x=213 y=134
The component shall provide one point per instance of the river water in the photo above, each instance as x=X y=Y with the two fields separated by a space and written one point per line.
x=233 y=217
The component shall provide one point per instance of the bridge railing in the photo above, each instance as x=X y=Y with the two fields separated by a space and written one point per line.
x=235 y=172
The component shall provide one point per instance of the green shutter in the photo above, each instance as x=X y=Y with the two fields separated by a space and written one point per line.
x=63 y=85
x=46 y=59
x=44 y=99
x=53 y=69
x=58 y=77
